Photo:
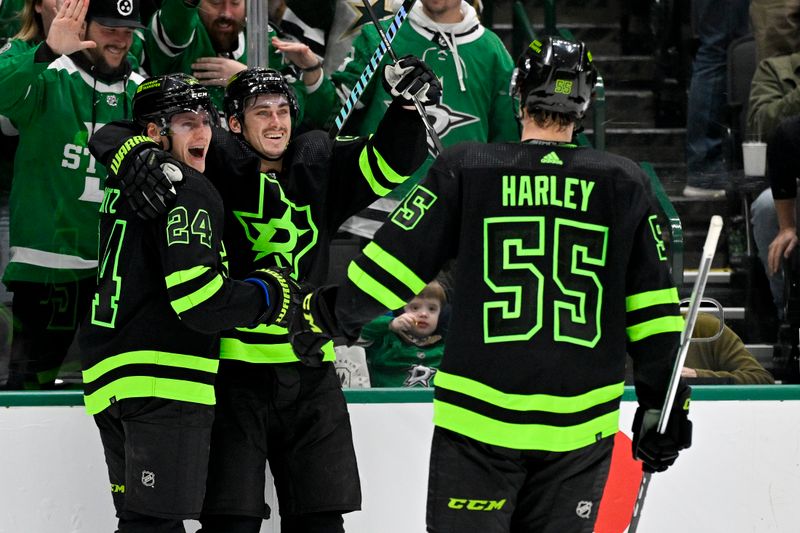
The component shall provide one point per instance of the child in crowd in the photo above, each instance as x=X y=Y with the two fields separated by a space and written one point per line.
x=405 y=350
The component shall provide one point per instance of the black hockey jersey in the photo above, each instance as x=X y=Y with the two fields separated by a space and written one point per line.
x=560 y=269
x=288 y=219
x=162 y=297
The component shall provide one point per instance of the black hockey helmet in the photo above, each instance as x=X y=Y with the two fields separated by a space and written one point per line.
x=158 y=98
x=555 y=75
x=252 y=82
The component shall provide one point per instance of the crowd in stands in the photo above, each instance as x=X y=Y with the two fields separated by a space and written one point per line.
x=58 y=89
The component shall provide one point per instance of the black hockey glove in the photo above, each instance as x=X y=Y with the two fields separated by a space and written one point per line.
x=410 y=76
x=658 y=451
x=147 y=176
x=306 y=314
x=282 y=294
x=315 y=325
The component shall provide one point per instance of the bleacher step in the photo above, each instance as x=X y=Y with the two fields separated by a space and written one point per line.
x=627 y=109
x=646 y=144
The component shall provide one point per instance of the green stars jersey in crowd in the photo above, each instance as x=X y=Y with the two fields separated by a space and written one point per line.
x=57 y=186
x=175 y=37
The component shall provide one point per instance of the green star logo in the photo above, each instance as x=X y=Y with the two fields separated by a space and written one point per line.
x=383 y=10
x=287 y=237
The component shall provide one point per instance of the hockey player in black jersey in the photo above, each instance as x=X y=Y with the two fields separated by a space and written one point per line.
x=150 y=343
x=285 y=197
x=560 y=269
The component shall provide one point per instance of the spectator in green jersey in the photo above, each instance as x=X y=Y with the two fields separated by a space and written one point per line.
x=57 y=186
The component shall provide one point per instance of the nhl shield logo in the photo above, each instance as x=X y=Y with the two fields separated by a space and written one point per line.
x=111 y=100
x=584 y=509
x=125 y=7
x=148 y=479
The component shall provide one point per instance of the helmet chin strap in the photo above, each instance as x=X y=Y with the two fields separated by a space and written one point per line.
x=166 y=142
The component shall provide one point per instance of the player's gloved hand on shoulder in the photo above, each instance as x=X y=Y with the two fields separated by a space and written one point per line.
x=659 y=451
x=314 y=325
x=282 y=295
x=147 y=176
x=410 y=77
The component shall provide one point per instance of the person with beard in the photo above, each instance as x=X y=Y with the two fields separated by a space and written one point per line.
x=57 y=94
x=205 y=38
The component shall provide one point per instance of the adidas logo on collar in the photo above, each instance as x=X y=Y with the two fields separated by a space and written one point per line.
x=551 y=159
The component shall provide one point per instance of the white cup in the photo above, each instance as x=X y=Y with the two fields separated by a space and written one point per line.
x=754 y=155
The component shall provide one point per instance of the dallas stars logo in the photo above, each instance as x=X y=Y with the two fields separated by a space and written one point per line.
x=419 y=375
x=286 y=237
x=444 y=119
x=383 y=10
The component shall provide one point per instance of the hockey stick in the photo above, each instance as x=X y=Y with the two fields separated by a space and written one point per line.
x=370 y=69
x=709 y=248
x=437 y=143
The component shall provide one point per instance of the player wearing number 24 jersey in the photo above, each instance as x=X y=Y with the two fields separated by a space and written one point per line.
x=560 y=270
x=150 y=344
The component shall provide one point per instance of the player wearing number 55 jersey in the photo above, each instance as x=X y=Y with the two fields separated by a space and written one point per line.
x=149 y=345
x=560 y=269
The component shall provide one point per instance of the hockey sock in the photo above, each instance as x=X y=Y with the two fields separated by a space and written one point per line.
x=230 y=524
x=331 y=522
x=149 y=524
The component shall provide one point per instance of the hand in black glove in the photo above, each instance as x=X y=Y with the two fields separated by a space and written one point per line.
x=303 y=312
x=147 y=176
x=658 y=451
x=315 y=325
x=409 y=77
x=283 y=295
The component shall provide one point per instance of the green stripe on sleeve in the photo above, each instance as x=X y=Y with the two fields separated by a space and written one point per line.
x=149 y=387
x=363 y=164
x=523 y=436
x=182 y=276
x=238 y=350
x=530 y=402
x=650 y=298
x=197 y=297
x=665 y=324
x=387 y=171
x=373 y=287
x=395 y=267
x=150 y=357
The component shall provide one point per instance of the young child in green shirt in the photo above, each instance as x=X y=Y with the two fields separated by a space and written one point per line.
x=405 y=350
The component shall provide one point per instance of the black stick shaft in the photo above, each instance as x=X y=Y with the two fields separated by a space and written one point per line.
x=437 y=143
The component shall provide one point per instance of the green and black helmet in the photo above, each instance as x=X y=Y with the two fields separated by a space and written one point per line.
x=555 y=75
x=158 y=98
